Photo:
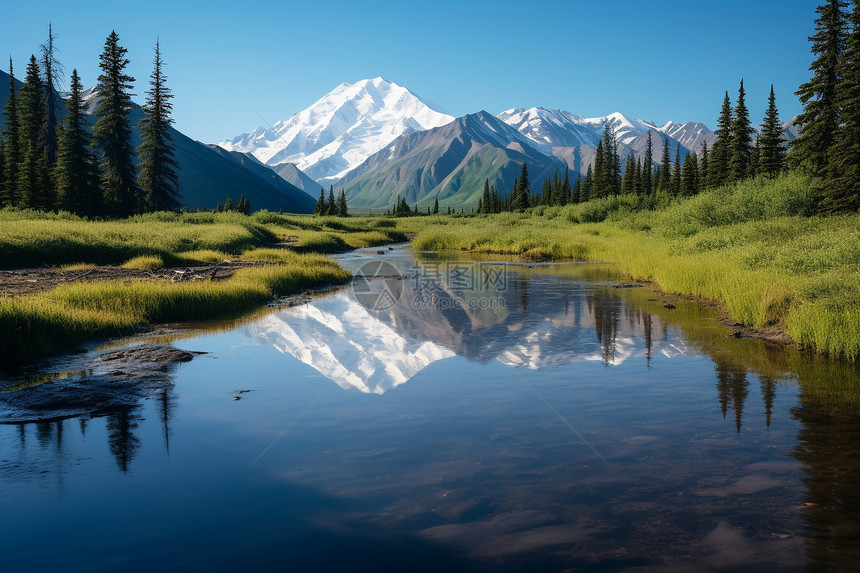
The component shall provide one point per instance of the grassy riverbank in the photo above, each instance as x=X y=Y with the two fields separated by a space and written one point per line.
x=756 y=249
x=288 y=249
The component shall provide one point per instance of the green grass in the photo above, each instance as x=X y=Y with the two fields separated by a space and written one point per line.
x=35 y=325
x=754 y=248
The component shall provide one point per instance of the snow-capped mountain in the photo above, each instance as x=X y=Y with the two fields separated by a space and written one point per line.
x=551 y=129
x=342 y=129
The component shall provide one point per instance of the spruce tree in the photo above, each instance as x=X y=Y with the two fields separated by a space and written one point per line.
x=52 y=72
x=640 y=188
x=331 y=206
x=33 y=169
x=486 y=202
x=76 y=173
x=320 y=207
x=599 y=184
x=342 y=208
x=436 y=206
x=12 y=147
x=158 y=179
x=628 y=182
x=718 y=168
x=664 y=176
x=703 y=167
x=576 y=193
x=842 y=189
x=112 y=131
x=522 y=190
x=587 y=185
x=820 y=117
x=229 y=205
x=690 y=177
x=771 y=141
x=676 y=184
x=648 y=167
x=741 y=146
x=566 y=191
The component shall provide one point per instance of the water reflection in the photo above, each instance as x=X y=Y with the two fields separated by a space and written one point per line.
x=528 y=320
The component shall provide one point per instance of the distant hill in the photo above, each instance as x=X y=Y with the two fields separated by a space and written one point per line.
x=207 y=176
x=450 y=163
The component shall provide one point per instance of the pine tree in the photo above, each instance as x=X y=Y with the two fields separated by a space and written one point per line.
x=436 y=206
x=664 y=176
x=33 y=169
x=690 y=175
x=576 y=194
x=676 y=173
x=718 y=168
x=842 y=189
x=342 y=208
x=229 y=205
x=820 y=117
x=741 y=146
x=320 y=207
x=648 y=167
x=12 y=147
x=703 y=167
x=486 y=203
x=771 y=142
x=112 y=131
x=598 y=185
x=640 y=188
x=52 y=72
x=522 y=190
x=566 y=191
x=76 y=173
x=587 y=185
x=157 y=165
x=331 y=206
x=628 y=182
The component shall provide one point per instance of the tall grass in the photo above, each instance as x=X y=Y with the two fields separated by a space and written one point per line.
x=69 y=314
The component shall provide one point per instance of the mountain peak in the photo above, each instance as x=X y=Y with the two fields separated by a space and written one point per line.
x=343 y=128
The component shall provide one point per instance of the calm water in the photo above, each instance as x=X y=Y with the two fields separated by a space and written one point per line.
x=471 y=416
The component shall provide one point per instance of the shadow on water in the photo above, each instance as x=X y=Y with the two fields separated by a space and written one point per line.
x=539 y=318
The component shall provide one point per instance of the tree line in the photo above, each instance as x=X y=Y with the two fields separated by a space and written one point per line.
x=50 y=158
x=829 y=144
x=332 y=207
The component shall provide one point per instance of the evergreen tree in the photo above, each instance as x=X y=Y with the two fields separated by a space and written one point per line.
x=76 y=173
x=842 y=189
x=566 y=191
x=158 y=180
x=112 y=131
x=704 y=175
x=522 y=190
x=33 y=169
x=599 y=184
x=648 y=167
x=320 y=207
x=718 y=168
x=436 y=206
x=12 y=147
x=820 y=117
x=628 y=182
x=576 y=193
x=52 y=72
x=588 y=184
x=486 y=200
x=771 y=142
x=331 y=206
x=664 y=175
x=640 y=188
x=741 y=146
x=690 y=184
x=676 y=173
x=497 y=201
x=229 y=205
x=342 y=209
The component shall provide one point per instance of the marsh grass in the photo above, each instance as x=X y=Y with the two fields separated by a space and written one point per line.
x=70 y=314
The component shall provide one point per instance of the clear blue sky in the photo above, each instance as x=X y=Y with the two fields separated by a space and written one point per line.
x=230 y=63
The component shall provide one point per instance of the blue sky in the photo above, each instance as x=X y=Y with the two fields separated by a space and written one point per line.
x=234 y=65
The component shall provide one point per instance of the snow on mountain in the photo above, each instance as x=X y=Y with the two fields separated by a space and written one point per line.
x=342 y=129
x=566 y=134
